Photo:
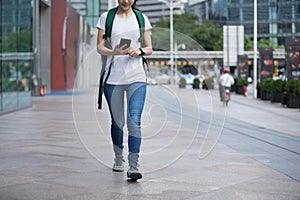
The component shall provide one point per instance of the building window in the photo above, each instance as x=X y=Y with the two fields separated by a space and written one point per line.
x=15 y=54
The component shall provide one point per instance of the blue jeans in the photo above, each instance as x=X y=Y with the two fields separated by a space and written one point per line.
x=135 y=95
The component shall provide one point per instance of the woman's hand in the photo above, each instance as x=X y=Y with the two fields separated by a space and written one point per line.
x=121 y=50
x=126 y=51
x=134 y=52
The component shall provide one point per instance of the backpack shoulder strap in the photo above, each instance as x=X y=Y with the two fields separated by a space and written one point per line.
x=110 y=18
x=109 y=21
x=141 y=21
x=140 y=18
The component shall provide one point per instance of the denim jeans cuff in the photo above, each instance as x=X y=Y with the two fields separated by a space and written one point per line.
x=133 y=159
x=118 y=151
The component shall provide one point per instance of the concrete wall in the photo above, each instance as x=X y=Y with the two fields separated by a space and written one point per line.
x=45 y=45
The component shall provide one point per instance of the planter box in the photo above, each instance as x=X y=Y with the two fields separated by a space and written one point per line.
x=265 y=96
x=239 y=90
x=207 y=86
x=210 y=86
x=196 y=86
x=258 y=93
x=182 y=85
x=233 y=88
x=276 y=97
x=283 y=100
x=292 y=101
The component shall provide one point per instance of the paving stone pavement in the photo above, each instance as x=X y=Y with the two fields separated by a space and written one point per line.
x=60 y=148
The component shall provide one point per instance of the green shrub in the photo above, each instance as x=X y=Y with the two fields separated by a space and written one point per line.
x=182 y=82
x=235 y=81
x=242 y=82
x=209 y=81
x=196 y=81
x=267 y=85
x=293 y=87
x=278 y=85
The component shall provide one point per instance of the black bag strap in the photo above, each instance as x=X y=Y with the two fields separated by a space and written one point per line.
x=108 y=27
x=102 y=84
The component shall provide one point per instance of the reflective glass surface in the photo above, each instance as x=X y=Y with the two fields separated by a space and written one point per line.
x=16 y=56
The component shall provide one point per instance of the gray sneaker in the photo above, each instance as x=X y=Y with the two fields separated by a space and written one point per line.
x=133 y=173
x=118 y=165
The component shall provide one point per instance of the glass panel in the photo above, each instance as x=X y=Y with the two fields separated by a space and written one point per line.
x=263 y=28
x=15 y=54
x=9 y=86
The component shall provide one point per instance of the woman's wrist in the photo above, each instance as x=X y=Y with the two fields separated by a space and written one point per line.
x=142 y=52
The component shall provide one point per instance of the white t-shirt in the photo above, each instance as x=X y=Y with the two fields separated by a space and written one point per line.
x=125 y=69
x=226 y=80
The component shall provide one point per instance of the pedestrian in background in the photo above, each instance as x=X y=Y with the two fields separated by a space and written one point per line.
x=226 y=81
x=127 y=77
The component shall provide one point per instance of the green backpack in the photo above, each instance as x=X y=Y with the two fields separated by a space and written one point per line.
x=110 y=18
x=108 y=28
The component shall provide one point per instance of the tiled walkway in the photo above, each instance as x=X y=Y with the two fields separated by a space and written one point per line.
x=60 y=149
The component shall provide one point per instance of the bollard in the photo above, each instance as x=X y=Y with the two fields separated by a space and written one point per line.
x=42 y=90
x=245 y=91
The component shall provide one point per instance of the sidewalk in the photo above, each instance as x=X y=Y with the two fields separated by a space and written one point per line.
x=60 y=149
x=265 y=114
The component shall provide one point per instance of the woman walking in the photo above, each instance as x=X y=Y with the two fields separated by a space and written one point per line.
x=126 y=78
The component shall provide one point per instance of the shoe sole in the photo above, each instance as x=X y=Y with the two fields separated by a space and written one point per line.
x=134 y=176
x=118 y=170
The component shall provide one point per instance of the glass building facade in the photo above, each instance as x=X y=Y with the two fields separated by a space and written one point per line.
x=213 y=10
x=16 y=57
x=92 y=9
x=277 y=19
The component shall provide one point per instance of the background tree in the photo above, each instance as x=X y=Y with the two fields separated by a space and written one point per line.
x=17 y=42
x=188 y=31
x=209 y=36
x=248 y=44
x=262 y=43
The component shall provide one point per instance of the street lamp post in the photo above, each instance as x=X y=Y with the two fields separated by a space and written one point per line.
x=255 y=49
x=171 y=4
x=182 y=45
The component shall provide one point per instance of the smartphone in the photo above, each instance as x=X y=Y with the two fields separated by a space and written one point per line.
x=125 y=41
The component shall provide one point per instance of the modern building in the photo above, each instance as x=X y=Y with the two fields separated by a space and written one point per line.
x=91 y=10
x=277 y=19
x=88 y=9
x=155 y=9
x=16 y=54
x=42 y=47
x=214 y=10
